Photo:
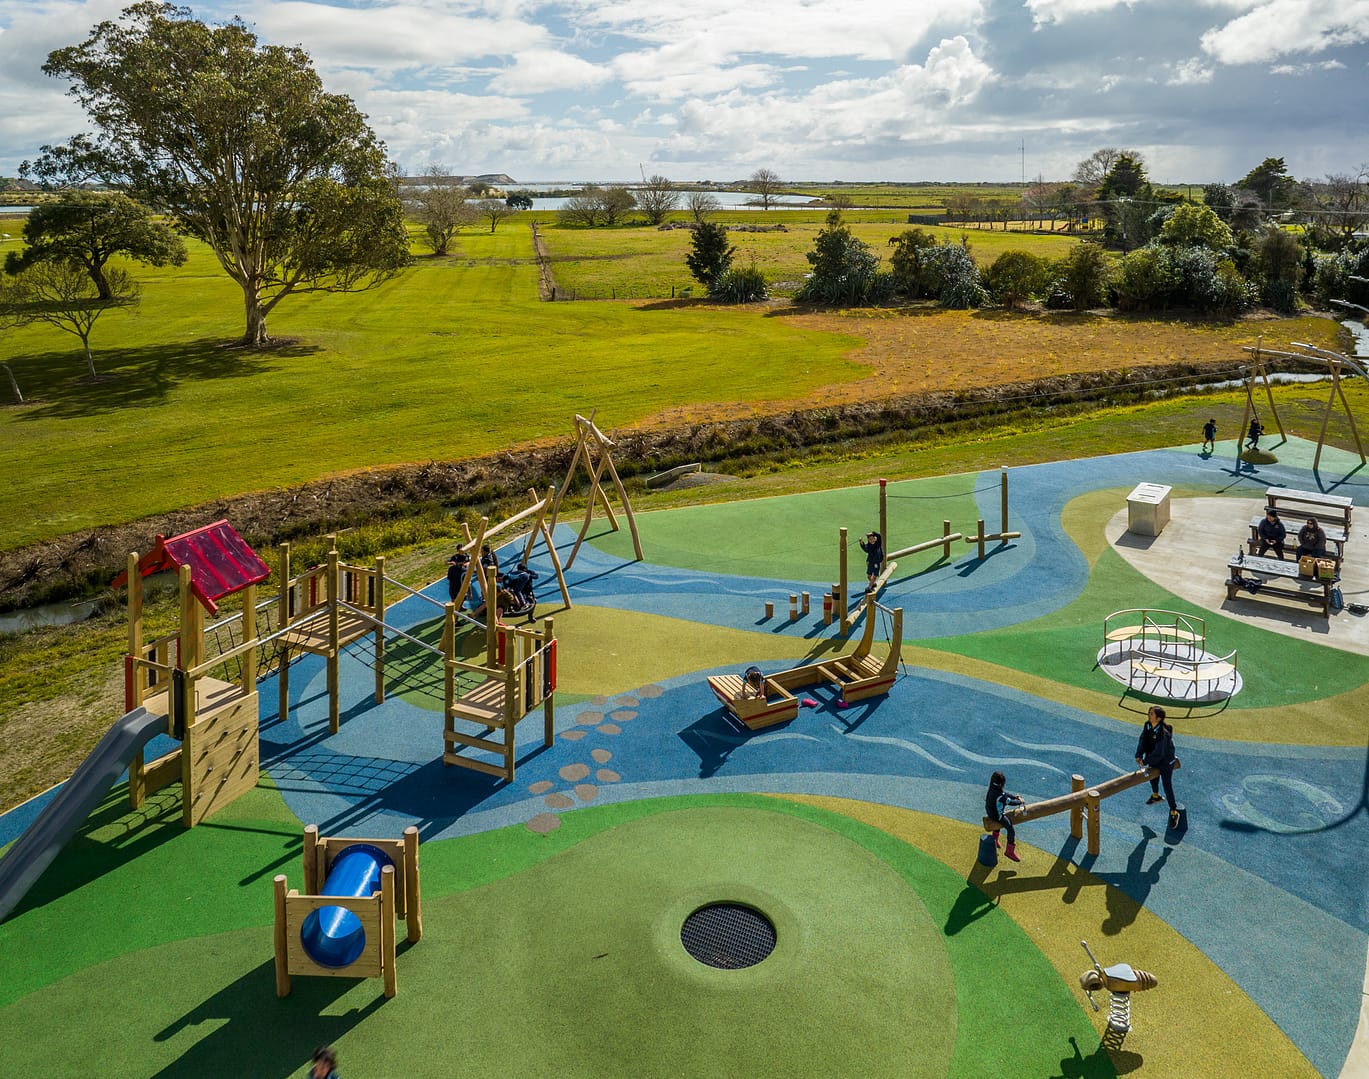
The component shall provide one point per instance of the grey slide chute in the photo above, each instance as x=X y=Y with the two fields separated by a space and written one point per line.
x=41 y=842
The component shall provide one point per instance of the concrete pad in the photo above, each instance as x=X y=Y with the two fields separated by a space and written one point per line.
x=1189 y=558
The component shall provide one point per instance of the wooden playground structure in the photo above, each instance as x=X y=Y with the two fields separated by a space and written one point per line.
x=1082 y=801
x=209 y=696
x=213 y=716
x=343 y=925
x=519 y=673
x=838 y=602
x=857 y=675
x=593 y=449
x=1336 y=365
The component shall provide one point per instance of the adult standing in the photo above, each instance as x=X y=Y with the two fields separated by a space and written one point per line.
x=1155 y=749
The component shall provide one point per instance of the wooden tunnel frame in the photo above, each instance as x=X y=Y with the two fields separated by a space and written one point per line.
x=399 y=897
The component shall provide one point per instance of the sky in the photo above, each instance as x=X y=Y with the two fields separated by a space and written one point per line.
x=819 y=90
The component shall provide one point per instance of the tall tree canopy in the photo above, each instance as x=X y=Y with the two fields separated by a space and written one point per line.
x=239 y=142
x=90 y=228
x=1271 y=182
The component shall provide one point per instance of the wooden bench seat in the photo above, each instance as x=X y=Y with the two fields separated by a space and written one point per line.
x=1335 y=539
x=1170 y=671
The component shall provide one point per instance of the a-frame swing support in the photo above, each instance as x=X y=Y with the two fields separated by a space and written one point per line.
x=1336 y=364
x=593 y=448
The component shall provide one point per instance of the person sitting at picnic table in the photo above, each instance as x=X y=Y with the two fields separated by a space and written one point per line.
x=1311 y=540
x=1272 y=533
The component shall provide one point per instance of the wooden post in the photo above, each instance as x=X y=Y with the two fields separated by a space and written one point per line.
x=378 y=609
x=413 y=910
x=1076 y=811
x=283 y=620
x=946 y=539
x=491 y=589
x=314 y=873
x=840 y=595
x=1003 y=498
x=980 y=538
x=769 y=608
x=793 y=606
x=883 y=521
x=387 y=929
x=1095 y=809
x=332 y=583
x=133 y=695
x=282 y=944
x=548 y=708
x=804 y=602
x=249 y=633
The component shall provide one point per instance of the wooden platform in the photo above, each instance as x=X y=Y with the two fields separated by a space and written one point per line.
x=311 y=634
x=753 y=712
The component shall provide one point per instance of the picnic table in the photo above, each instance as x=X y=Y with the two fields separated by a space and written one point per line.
x=1316 y=504
x=1277 y=578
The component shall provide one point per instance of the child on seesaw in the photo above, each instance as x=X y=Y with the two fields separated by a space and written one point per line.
x=998 y=803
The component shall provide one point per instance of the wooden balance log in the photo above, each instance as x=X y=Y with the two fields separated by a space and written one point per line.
x=1082 y=801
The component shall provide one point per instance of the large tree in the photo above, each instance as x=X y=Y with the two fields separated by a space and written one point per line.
x=91 y=227
x=1094 y=169
x=1271 y=182
x=241 y=145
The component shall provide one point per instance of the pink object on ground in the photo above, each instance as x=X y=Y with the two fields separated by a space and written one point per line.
x=808 y=702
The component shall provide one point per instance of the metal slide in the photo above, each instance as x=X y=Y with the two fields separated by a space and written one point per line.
x=34 y=851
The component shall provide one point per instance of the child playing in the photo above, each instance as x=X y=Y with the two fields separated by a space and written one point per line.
x=873 y=546
x=997 y=804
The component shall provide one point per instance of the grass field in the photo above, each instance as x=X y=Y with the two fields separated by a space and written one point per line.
x=640 y=261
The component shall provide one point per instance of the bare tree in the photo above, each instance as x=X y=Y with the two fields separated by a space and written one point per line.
x=1342 y=204
x=494 y=211
x=584 y=208
x=615 y=201
x=766 y=184
x=1094 y=169
x=438 y=202
x=656 y=198
x=63 y=295
x=700 y=204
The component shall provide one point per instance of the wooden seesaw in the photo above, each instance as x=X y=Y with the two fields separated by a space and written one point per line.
x=1082 y=800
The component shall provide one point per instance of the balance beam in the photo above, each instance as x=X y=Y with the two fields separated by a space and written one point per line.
x=1081 y=799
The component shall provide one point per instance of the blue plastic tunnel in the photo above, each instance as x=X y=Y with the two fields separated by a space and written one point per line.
x=333 y=936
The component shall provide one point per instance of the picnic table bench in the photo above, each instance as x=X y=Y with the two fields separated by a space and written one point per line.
x=1316 y=504
x=1335 y=535
x=1290 y=583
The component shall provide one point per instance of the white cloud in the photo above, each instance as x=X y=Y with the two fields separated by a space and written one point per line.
x=1191 y=72
x=536 y=71
x=1288 y=27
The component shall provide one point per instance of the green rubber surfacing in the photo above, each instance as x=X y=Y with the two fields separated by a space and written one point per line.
x=573 y=966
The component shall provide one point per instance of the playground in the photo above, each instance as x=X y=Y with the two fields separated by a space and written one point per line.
x=555 y=883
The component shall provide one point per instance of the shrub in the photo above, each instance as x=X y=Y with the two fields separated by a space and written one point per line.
x=1017 y=277
x=746 y=285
